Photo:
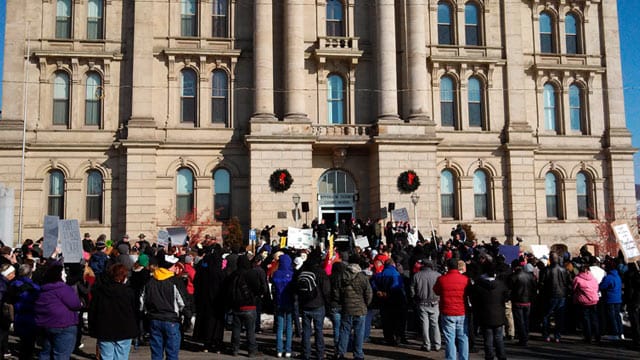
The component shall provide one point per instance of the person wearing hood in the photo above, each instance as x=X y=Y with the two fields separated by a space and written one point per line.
x=313 y=289
x=354 y=294
x=488 y=296
x=283 y=299
x=124 y=258
x=585 y=294
x=23 y=295
x=388 y=286
x=56 y=315
x=611 y=287
x=112 y=314
x=162 y=301
x=555 y=284
x=208 y=290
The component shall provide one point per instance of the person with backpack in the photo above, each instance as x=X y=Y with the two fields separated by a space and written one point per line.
x=283 y=301
x=313 y=290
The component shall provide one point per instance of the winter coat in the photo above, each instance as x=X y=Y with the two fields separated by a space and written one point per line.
x=57 y=306
x=256 y=282
x=98 y=262
x=124 y=258
x=113 y=312
x=632 y=288
x=23 y=294
x=585 y=289
x=555 y=282
x=422 y=286
x=522 y=285
x=611 y=287
x=337 y=270
x=452 y=288
x=355 y=293
x=283 y=292
x=389 y=287
x=488 y=296
x=323 y=285
x=161 y=299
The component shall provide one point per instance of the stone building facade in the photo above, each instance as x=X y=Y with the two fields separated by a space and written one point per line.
x=511 y=113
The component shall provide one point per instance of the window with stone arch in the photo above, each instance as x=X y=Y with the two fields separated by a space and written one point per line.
x=550 y=95
x=95 y=186
x=448 y=195
x=335 y=18
x=222 y=194
x=95 y=19
x=56 y=194
x=553 y=193
x=219 y=97
x=64 y=11
x=93 y=100
x=448 y=102
x=189 y=17
x=547 y=24
x=577 y=110
x=61 y=95
x=585 y=196
x=335 y=99
x=476 y=103
x=188 y=96
x=220 y=19
x=445 y=23
x=336 y=182
x=184 y=193
x=573 y=33
x=481 y=198
x=472 y=24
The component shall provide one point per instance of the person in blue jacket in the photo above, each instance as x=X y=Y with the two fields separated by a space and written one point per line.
x=611 y=288
x=283 y=298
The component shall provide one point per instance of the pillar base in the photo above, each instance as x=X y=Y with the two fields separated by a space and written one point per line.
x=296 y=117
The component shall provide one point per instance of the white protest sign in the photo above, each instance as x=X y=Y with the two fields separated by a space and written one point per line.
x=400 y=214
x=178 y=235
x=50 y=237
x=70 y=240
x=412 y=238
x=627 y=241
x=540 y=250
x=300 y=238
x=163 y=238
x=362 y=242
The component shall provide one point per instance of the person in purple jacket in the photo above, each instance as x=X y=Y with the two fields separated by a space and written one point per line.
x=56 y=315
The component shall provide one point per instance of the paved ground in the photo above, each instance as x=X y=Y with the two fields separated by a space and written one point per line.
x=570 y=348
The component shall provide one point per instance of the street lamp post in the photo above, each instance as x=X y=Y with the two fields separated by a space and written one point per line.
x=296 y=201
x=414 y=199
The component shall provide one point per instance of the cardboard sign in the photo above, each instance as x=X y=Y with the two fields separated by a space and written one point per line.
x=627 y=241
x=163 y=238
x=50 y=236
x=510 y=252
x=300 y=238
x=400 y=214
x=362 y=242
x=178 y=235
x=540 y=250
x=70 y=240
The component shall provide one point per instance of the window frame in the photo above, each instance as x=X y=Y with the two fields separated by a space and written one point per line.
x=222 y=197
x=551 y=109
x=548 y=42
x=451 y=212
x=553 y=201
x=473 y=28
x=93 y=102
x=94 y=200
x=480 y=102
x=64 y=23
x=587 y=199
x=188 y=100
x=99 y=21
x=451 y=102
x=220 y=19
x=189 y=196
x=577 y=110
x=577 y=36
x=188 y=19
x=335 y=25
x=58 y=195
x=64 y=101
x=219 y=97
x=483 y=196
x=339 y=102
x=449 y=26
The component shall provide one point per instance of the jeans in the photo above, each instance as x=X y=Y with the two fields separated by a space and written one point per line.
x=165 y=339
x=590 y=325
x=358 y=325
x=509 y=326
x=613 y=312
x=371 y=314
x=521 y=315
x=335 y=317
x=493 y=337
x=555 y=308
x=114 y=350
x=317 y=317
x=455 y=333
x=58 y=343
x=248 y=320
x=284 y=331
x=430 y=330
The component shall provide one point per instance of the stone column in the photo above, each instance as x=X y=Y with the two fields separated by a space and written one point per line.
x=263 y=59
x=294 y=60
x=417 y=60
x=386 y=57
x=142 y=81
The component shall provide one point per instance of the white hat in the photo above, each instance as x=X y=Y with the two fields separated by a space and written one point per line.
x=170 y=259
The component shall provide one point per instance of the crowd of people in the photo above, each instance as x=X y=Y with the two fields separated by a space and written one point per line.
x=135 y=293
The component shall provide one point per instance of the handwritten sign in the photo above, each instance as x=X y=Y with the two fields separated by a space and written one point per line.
x=163 y=238
x=300 y=238
x=178 y=235
x=400 y=214
x=627 y=241
x=70 y=240
x=362 y=242
x=50 y=236
x=540 y=250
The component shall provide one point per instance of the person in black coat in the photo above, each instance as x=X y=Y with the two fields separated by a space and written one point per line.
x=523 y=286
x=209 y=297
x=632 y=299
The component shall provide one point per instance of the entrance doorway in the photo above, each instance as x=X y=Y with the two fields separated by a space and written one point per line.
x=336 y=197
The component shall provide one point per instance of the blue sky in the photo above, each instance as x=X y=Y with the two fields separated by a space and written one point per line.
x=630 y=49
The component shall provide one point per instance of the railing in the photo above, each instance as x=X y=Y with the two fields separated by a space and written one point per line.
x=345 y=130
x=338 y=43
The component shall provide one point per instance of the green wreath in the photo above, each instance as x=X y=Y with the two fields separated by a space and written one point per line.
x=408 y=182
x=280 y=180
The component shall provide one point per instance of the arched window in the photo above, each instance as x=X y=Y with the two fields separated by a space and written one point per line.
x=94 y=20
x=220 y=24
x=93 y=95
x=61 y=98
x=336 y=182
x=184 y=193
x=335 y=99
x=222 y=197
x=448 y=103
x=94 y=196
x=447 y=195
x=585 y=197
x=547 y=33
x=576 y=108
x=56 y=194
x=572 y=33
x=219 y=99
x=188 y=96
x=335 y=18
x=445 y=24
x=480 y=198
x=63 y=19
x=552 y=191
x=472 y=24
x=550 y=96
x=476 y=102
x=189 y=12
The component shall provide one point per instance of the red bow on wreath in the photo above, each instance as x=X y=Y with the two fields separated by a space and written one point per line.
x=282 y=178
x=410 y=177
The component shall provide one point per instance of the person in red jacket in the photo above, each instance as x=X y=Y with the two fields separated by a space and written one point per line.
x=452 y=288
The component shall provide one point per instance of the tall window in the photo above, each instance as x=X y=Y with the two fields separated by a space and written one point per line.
x=547 y=37
x=476 y=106
x=472 y=24
x=480 y=198
x=335 y=18
x=447 y=195
x=61 y=98
x=551 y=189
x=585 y=203
x=219 y=17
x=63 y=19
x=219 y=101
x=550 y=96
x=184 y=193
x=94 y=196
x=448 y=106
x=222 y=197
x=188 y=96
x=56 y=194
x=572 y=34
x=576 y=108
x=92 y=108
x=445 y=24
x=335 y=99
x=189 y=18
x=94 y=20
